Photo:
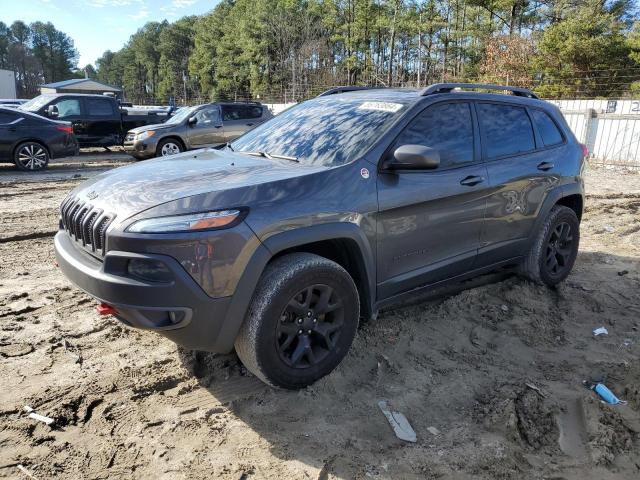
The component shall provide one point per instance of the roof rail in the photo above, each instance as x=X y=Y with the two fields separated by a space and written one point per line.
x=447 y=87
x=352 y=88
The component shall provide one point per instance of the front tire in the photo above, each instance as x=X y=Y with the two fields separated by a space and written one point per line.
x=31 y=156
x=555 y=248
x=168 y=147
x=301 y=321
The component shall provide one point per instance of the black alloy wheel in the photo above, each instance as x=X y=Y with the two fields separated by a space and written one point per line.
x=310 y=326
x=559 y=249
x=301 y=321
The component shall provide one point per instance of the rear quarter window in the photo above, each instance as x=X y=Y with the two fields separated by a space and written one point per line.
x=547 y=128
x=507 y=129
x=97 y=107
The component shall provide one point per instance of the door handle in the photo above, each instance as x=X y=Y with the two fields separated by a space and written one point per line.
x=471 y=180
x=217 y=126
x=249 y=124
x=544 y=166
x=12 y=129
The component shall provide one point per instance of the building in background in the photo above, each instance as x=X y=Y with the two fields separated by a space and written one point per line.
x=7 y=84
x=80 y=85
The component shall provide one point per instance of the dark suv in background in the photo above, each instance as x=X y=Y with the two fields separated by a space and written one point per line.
x=208 y=125
x=334 y=209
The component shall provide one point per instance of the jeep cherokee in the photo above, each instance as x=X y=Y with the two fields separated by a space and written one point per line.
x=355 y=200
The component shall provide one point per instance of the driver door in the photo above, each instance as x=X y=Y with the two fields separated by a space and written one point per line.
x=70 y=110
x=429 y=221
x=208 y=129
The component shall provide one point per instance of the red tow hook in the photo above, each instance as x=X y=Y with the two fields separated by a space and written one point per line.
x=104 y=309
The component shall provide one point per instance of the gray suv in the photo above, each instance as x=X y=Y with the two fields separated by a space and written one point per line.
x=209 y=125
x=281 y=242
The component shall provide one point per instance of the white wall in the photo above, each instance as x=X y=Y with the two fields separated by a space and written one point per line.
x=7 y=84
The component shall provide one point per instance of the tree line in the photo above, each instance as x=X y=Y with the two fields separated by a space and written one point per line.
x=38 y=53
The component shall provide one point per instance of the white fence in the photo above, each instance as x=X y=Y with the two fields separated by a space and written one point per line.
x=277 y=108
x=609 y=128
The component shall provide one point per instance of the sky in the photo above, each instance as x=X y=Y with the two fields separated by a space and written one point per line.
x=99 y=25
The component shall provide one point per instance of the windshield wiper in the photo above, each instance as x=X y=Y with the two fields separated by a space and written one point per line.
x=271 y=156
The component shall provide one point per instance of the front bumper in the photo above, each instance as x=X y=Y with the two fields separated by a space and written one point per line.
x=179 y=310
x=141 y=149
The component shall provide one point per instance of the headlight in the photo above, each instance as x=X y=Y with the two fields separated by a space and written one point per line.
x=185 y=223
x=144 y=135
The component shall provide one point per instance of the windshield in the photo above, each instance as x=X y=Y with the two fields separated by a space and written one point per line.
x=182 y=114
x=36 y=104
x=325 y=131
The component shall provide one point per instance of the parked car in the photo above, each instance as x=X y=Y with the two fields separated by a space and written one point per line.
x=98 y=120
x=334 y=209
x=30 y=141
x=201 y=126
x=12 y=102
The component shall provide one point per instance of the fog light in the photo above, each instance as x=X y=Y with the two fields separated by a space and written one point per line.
x=149 y=270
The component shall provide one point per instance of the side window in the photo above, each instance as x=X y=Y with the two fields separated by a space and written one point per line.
x=98 y=107
x=547 y=128
x=231 y=112
x=8 y=117
x=67 y=107
x=507 y=129
x=208 y=116
x=448 y=128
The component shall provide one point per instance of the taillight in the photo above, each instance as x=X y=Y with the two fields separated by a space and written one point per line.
x=585 y=150
x=64 y=128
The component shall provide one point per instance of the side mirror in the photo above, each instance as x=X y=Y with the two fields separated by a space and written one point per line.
x=52 y=111
x=414 y=157
x=192 y=121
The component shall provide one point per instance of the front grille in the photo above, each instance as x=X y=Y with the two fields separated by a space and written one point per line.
x=86 y=224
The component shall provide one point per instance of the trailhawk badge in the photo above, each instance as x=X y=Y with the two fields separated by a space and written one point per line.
x=364 y=173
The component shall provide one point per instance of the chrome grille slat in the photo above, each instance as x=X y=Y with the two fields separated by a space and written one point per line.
x=72 y=213
x=87 y=228
x=78 y=223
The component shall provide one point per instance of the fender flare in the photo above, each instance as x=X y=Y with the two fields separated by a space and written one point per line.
x=280 y=242
x=553 y=197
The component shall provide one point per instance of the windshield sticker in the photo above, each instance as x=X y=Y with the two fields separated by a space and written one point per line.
x=382 y=106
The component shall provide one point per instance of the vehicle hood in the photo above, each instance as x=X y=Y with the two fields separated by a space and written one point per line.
x=199 y=180
x=155 y=126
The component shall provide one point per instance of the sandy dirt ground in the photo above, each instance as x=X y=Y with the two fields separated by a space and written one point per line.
x=130 y=404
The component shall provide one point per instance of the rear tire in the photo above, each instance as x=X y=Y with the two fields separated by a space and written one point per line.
x=554 y=249
x=31 y=156
x=168 y=147
x=301 y=321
